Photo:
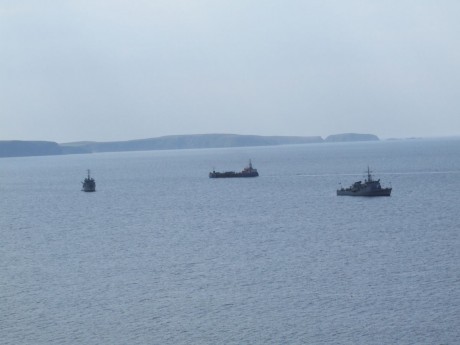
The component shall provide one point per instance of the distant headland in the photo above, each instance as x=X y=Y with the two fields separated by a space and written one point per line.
x=17 y=148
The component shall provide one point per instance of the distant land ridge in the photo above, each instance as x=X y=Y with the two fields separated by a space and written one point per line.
x=351 y=137
x=196 y=141
x=17 y=148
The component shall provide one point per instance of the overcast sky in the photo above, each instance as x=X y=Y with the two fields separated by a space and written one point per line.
x=116 y=70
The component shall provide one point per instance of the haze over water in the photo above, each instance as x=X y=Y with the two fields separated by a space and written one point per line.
x=161 y=254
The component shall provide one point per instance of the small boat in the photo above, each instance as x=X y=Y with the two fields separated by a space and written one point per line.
x=249 y=171
x=370 y=187
x=88 y=185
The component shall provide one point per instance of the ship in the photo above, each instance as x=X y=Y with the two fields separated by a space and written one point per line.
x=88 y=185
x=249 y=171
x=369 y=187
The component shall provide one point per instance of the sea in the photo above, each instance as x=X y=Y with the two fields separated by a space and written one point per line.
x=162 y=254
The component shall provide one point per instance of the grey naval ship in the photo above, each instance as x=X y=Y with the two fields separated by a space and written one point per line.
x=88 y=185
x=369 y=187
x=249 y=171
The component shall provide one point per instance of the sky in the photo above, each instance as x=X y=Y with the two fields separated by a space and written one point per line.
x=108 y=70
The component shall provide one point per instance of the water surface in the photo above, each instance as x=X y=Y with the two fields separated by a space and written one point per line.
x=161 y=254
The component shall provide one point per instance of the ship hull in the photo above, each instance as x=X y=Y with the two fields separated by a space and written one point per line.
x=89 y=187
x=249 y=171
x=89 y=184
x=380 y=192
x=232 y=175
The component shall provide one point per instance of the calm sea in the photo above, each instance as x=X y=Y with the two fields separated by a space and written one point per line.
x=161 y=254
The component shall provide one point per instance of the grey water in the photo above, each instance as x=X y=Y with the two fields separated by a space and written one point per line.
x=161 y=254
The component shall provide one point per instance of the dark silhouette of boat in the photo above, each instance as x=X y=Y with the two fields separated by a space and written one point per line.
x=249 y=171
x=369 y=187
x=88 y=185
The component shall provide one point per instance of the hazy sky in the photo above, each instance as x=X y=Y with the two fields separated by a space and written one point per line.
x=114 y=69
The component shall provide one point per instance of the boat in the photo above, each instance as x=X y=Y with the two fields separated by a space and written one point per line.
x=88 y=185
x=249 y=171
x=369 y=187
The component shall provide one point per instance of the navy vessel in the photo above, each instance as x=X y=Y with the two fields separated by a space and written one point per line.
x=249 y=171
x=369 y=187
x=88 y=185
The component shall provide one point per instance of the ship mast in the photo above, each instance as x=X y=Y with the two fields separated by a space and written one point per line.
x=369 y=176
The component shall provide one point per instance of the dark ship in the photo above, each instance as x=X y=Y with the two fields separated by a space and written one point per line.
x=88 y=185
x=249 y=171
x=370 y=187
